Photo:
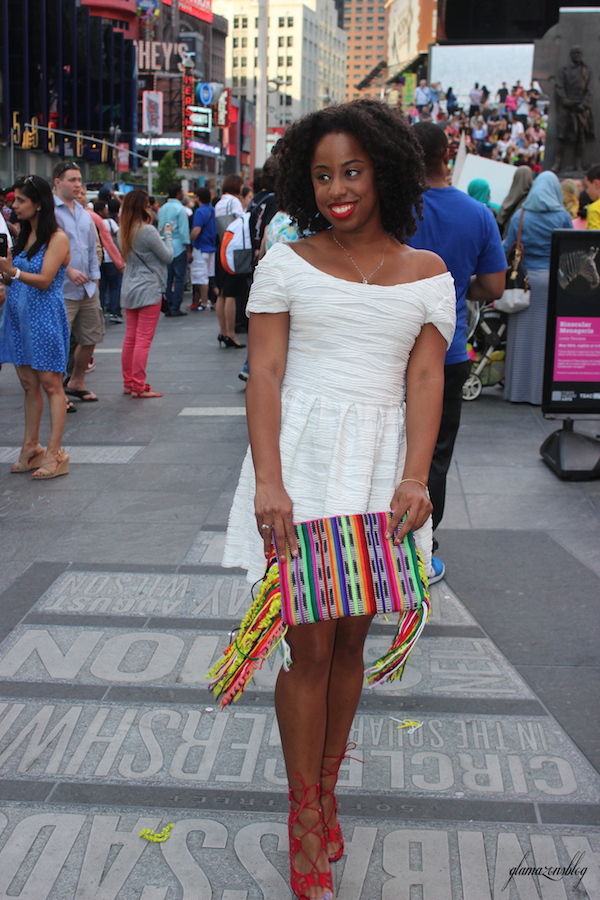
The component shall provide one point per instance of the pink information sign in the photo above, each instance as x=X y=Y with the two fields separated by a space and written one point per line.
x=577 y=351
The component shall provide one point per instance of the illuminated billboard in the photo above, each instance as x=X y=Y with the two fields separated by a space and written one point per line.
x=200 y=9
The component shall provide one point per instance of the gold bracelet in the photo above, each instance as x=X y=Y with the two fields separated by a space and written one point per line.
x=416 y=480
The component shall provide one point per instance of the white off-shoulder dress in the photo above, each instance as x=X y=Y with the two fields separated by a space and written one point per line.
x=342 y=438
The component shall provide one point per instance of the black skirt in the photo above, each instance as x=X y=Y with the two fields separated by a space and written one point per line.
x=230 y=285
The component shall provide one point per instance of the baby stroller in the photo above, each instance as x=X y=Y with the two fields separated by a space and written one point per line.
x=486 y=336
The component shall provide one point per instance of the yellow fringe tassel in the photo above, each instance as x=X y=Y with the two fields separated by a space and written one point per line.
x=157 y=837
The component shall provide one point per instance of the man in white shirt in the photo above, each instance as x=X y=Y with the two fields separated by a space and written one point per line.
x=517 y=132
x=422 y=96
x=83 y=276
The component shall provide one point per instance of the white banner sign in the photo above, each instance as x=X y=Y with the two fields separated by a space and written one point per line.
x=152 y=112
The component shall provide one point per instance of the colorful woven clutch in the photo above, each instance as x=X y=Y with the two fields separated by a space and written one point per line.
x=345 y=566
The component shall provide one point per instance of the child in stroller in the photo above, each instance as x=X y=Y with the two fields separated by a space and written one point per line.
x=486 y=336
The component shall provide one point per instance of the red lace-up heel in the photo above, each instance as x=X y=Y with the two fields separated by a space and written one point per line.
x=302 y=882
x=334 y=835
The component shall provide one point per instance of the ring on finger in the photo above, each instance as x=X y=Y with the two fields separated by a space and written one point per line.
x=265 y=527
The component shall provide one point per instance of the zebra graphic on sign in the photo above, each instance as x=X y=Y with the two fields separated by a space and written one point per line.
x=579 y=263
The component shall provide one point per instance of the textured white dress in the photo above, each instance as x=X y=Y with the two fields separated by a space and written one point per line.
x=342 y=438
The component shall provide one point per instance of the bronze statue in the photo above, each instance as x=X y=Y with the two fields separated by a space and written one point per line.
x=575 y=121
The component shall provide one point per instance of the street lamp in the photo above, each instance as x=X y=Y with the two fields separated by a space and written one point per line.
x=277 y=82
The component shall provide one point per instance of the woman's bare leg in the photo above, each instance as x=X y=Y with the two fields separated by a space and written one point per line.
x=34 y=403
x=301 y=705
x=52 y=385
x=343 y=695
x=220 y=308
x=230 y=312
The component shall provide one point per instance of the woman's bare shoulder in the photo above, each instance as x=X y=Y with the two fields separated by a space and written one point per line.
x=425 y=264
x=59 y=244
x=310 y=247
x=59 y=239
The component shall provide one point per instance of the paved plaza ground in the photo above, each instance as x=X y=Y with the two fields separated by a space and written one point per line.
x=113 y=605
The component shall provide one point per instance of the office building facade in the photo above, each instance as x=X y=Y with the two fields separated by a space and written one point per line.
x=366 y=24
x=306 y=56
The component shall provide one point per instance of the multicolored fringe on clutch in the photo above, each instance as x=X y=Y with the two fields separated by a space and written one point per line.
x=395 y=581
x=390 y=666
x=260 y=631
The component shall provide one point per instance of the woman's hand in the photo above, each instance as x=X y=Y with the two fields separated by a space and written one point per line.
x=413 y=499
x=273 y=508
x=6 y=265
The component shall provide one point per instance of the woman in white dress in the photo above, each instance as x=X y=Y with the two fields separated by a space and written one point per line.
x=348 y=332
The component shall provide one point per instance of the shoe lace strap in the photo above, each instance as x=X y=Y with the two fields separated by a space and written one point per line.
x=333 y=770
x=309 y=799
x=306 y=801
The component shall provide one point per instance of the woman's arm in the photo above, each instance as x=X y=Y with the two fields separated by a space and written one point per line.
x=511 y=234
x=106 y=236
x=424 y=396
x=57 y=254
x=267 y=355
x=153 y=241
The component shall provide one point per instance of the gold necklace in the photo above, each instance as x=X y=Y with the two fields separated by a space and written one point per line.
x=365 y=278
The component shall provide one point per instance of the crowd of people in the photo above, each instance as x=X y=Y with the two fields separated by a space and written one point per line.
x=509 y=126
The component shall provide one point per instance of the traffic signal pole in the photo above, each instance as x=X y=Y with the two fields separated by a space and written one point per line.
x=79 y=136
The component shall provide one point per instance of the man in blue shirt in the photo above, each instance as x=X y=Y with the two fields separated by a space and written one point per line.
x=80 y=290
x=174 y=211
x=464 y=233
x=204 y=245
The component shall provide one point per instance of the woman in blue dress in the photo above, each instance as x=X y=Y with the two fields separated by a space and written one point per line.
x=35 y=336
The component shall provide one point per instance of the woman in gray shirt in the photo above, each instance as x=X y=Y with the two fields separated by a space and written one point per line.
x=146 y=256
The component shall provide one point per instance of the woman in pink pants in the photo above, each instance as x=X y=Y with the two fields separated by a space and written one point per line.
x=146 y=256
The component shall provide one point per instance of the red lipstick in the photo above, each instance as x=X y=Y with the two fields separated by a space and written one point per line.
x=342 y=210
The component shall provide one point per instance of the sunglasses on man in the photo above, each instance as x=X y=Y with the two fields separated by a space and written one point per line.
x=65 y=168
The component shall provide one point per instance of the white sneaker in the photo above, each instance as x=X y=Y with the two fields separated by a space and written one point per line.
x=437 y=571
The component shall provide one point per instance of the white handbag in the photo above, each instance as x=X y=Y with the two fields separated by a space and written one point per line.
x=517 y=294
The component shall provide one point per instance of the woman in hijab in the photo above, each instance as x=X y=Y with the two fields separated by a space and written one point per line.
x=542 y=211
x=480 y=190
x=520 y=187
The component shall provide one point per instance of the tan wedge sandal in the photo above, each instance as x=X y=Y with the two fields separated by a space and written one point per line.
x=46 y=471
x=28 y=461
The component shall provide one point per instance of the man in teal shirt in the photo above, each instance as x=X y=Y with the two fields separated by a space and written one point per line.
x=174 y=211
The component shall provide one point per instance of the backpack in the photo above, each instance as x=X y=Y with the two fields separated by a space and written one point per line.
x=258 y=221
x=236 y=253
x=225 y=219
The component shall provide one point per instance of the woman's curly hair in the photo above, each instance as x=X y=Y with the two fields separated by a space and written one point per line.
x=394 y=151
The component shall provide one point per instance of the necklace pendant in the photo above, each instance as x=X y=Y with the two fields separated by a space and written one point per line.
x=365 y=280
